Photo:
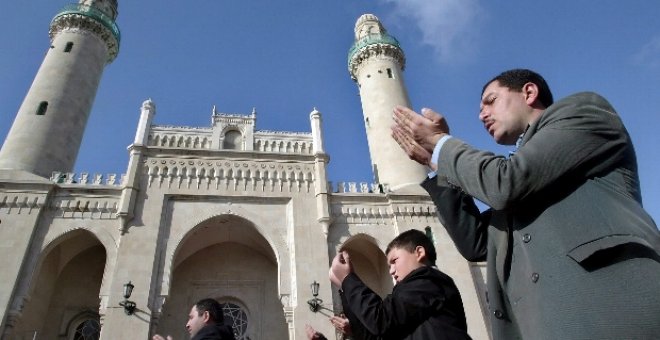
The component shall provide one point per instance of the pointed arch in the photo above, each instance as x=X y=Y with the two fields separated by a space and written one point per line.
x=58 y=269
x=369 y=262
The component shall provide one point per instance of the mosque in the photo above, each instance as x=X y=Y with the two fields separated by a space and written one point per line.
x=226 y=211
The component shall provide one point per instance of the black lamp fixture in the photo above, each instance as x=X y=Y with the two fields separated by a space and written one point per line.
x=129 y=306
x=316 y=304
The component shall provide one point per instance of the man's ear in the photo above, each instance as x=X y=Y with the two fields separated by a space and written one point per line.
x=206 y=316
x=531 y=93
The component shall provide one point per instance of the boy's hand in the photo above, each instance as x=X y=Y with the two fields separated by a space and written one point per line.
x=341 y=323
x=159 y=337
x=340 y=268
x=312 y=334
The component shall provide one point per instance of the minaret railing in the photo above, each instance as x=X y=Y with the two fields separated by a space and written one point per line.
x=93 y=13
x=372 y=39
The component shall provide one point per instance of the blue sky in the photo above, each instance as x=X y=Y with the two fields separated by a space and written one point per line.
x=287 y=57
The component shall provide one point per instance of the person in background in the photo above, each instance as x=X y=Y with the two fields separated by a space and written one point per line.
x=205 y=322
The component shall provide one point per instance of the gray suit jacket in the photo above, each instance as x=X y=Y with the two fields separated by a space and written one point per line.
x=566 y=234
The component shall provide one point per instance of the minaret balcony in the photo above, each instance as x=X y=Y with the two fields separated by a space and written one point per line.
x=371 y=39
x=90 y=19
x=92 y=13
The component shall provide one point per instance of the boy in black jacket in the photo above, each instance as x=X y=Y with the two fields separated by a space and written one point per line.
x=424 y=304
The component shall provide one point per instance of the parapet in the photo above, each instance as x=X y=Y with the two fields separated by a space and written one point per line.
x=84 y=178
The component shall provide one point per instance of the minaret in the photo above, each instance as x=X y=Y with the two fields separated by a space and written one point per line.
x=49 y=125
x=376 y=63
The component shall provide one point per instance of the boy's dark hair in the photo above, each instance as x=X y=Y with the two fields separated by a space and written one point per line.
x=211 y=306
x=516 y=78
x=411 y=239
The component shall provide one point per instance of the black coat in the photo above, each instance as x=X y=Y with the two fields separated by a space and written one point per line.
x=214 y=332
x=424 y=305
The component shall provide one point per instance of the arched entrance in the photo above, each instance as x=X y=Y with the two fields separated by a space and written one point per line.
x=64 y=294
x=369 y=263
x=226 y=258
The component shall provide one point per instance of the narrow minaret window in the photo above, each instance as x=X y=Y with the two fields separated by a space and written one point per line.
x=68 y=47
x=41 y=110
x=429 y=233
x=389 y=73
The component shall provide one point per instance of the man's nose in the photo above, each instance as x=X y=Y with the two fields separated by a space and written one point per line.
x=483 y=113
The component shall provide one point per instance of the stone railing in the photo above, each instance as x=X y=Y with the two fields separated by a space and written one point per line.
x=230 y=175
x=85 y=178
x=358 y=188
x=383 y=214
x=284 y=146
x=202 y=139
x=177 y=140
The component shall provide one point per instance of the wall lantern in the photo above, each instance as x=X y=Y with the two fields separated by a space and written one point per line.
x=129 y=306
x=315 y=304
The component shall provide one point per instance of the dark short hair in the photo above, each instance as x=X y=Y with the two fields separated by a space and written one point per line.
x=411 y=239
x=515 y=79
x=213 y=307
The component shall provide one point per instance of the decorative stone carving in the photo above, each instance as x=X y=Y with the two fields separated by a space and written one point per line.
x=84 y=19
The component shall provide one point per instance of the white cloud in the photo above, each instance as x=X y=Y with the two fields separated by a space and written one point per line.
x=448 y=26
x=649 y=54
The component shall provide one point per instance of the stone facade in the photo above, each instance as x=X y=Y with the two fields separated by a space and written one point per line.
x=228 y=211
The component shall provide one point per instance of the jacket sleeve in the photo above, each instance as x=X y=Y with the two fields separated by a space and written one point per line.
x=466 y=226
x=575 y=138
x=359 y=332
x=396 y=315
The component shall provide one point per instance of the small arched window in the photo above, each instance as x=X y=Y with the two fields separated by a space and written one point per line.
x=89 y=329
x=68 y=47
x=237 y=318
x=233 y=140
x=43 y=107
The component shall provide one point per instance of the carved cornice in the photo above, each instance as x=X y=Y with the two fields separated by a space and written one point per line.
x=93 y=208
x=176 y=128
x=378 y=46
x=21 y=202
x=86 y=19
x=231 y=175
x=279 y=133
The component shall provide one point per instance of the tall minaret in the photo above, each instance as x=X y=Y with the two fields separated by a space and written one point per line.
x=49 y=126
x=376 y=63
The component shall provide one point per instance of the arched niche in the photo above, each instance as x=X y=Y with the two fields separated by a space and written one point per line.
x=226 y=258
x=369 y=263
x=66 y=283
x=232 y=140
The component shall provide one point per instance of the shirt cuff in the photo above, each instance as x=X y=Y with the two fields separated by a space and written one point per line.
x=436 y=153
